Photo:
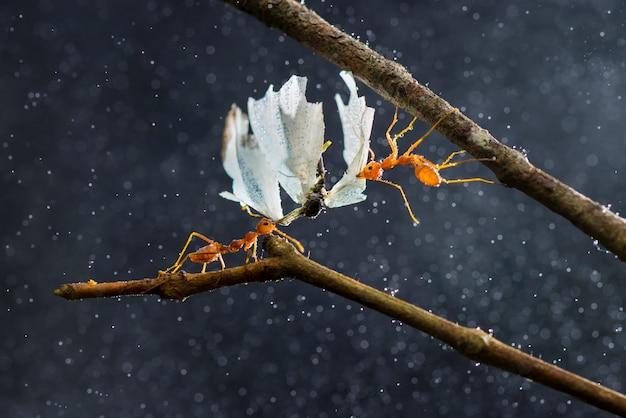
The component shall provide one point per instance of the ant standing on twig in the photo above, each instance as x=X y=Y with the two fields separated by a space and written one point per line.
x=214 y=250
x=426 y=171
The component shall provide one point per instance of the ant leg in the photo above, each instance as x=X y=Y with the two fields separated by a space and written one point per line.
x=372 y=156
x=432 y=128
x=473 y=179
x=393 y=123
x=247 y=209
x=393 y=141
x=405 y=130
x=173 y=269
x=448 y=164
x=406 y=202
x=291 y=239
x=445 y=164
x=253 y=252
x=180 y=261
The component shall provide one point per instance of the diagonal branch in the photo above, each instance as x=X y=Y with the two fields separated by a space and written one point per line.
x=285 y=261
x=394 y=83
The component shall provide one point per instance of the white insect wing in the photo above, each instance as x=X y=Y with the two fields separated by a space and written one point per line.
x=290 y=132
x=287 y=147
x=356 y=121
x=255 y=183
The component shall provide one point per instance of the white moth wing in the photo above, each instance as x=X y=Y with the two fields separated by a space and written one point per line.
x=356 y=121
x=255 y=183
x=291 y=133
x=349 y=189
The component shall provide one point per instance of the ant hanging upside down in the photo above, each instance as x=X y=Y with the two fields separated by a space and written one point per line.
x=426 y=171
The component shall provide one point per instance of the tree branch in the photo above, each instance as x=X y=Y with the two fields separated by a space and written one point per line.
x=285 y=261
x=394 y=83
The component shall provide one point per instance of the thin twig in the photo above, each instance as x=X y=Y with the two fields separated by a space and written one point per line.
x=394 y=83
x=285 y=261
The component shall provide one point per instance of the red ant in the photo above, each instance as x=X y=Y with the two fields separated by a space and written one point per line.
x=215 y=250
x=426 y=171
x=204 y=255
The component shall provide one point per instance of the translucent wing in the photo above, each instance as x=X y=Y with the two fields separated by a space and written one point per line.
x=255 y=183
x=290 y=132
x=356 y=120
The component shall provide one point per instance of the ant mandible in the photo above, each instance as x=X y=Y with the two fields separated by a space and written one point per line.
x=426 y=171
x=214 y=250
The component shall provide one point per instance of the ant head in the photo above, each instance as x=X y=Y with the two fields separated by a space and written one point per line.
x=265 y=226
x=372 y=171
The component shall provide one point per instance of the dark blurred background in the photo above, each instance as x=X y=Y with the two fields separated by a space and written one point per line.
x=110 y=134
